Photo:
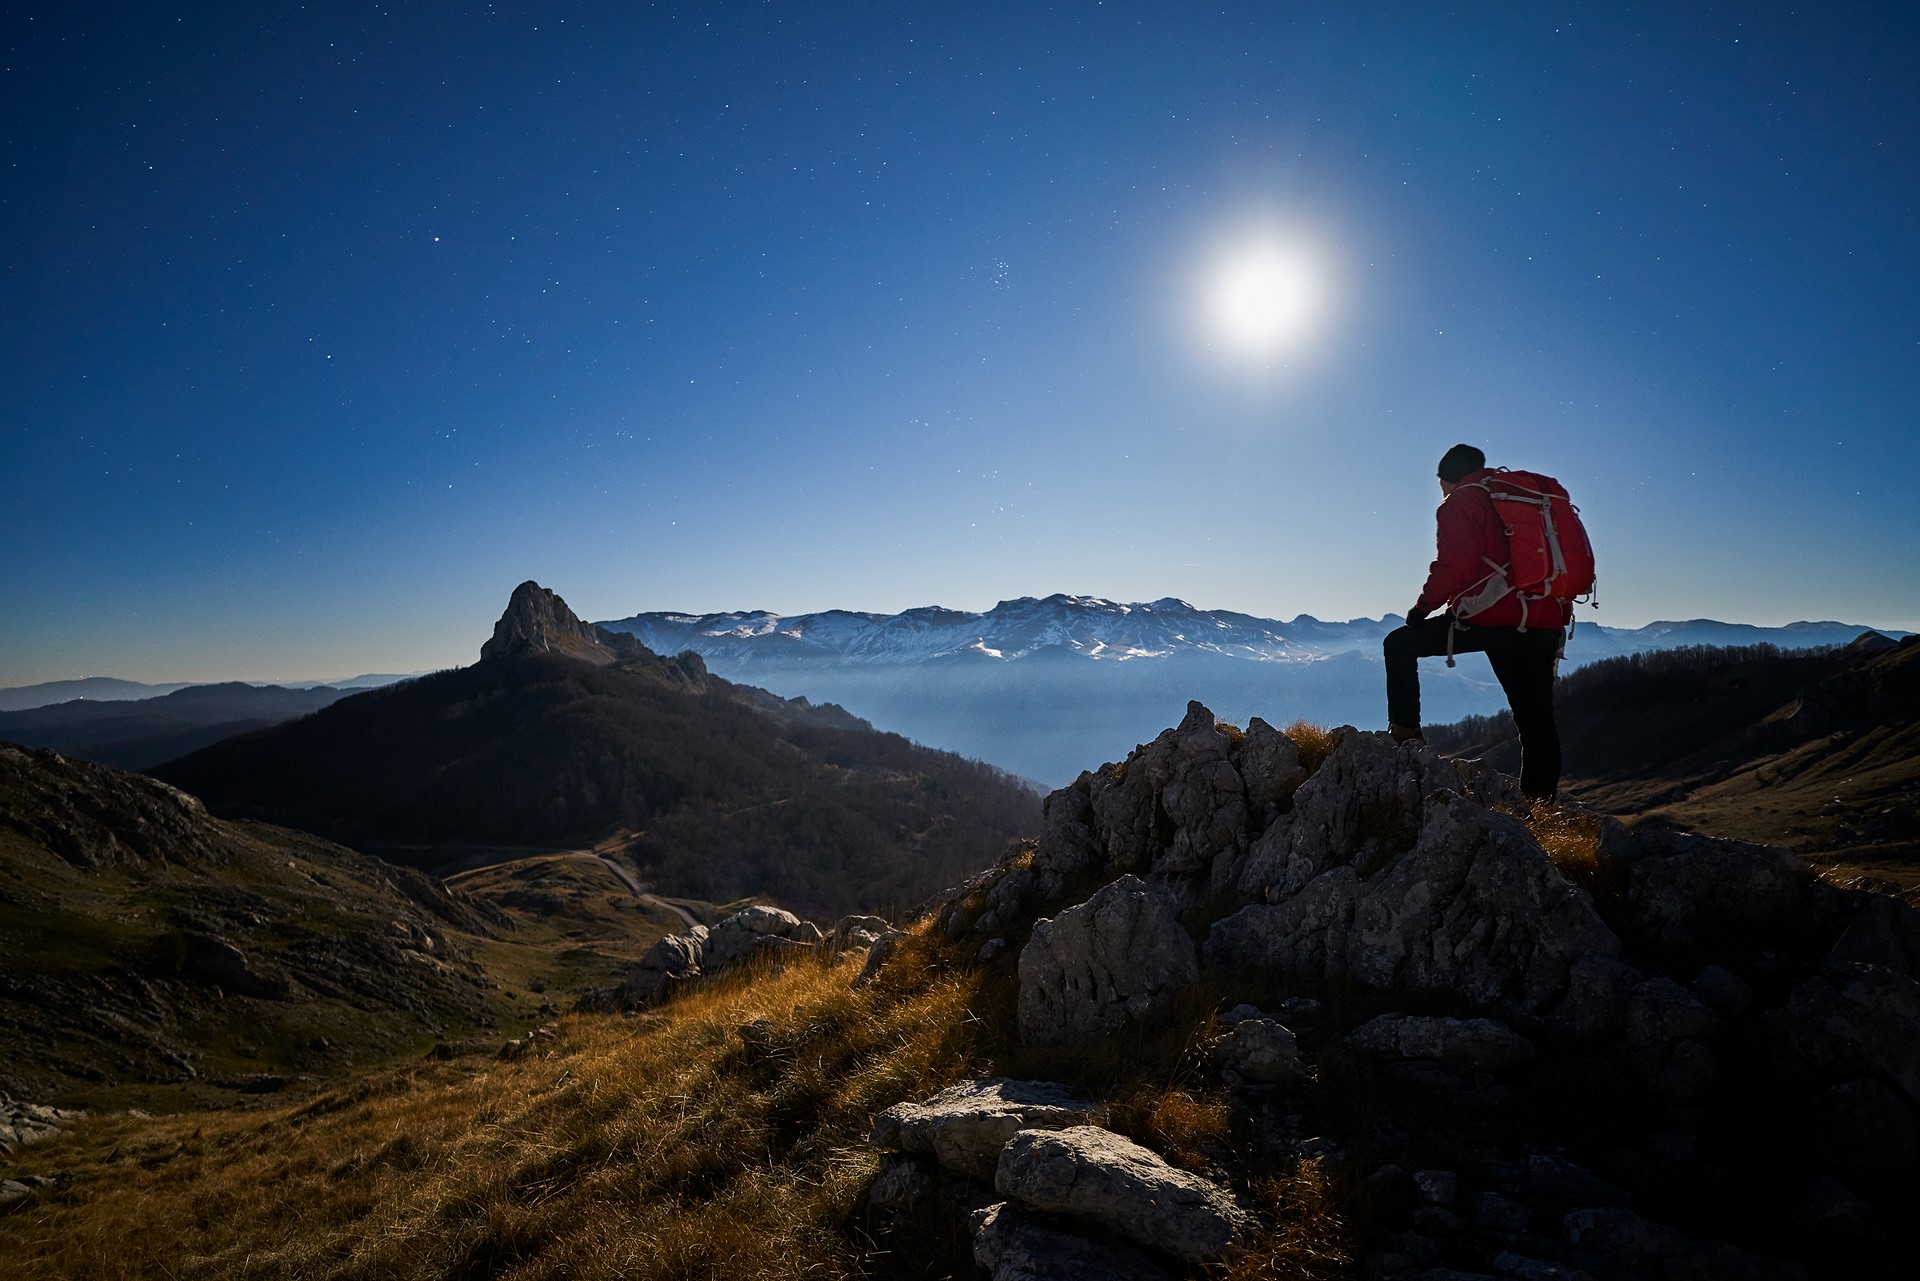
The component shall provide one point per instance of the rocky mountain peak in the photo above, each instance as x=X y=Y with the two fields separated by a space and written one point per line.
x=537 y=621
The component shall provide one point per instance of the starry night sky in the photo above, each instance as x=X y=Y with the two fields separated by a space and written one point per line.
x=325 y=326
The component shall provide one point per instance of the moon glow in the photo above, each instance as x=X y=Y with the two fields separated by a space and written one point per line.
x=1261 y=298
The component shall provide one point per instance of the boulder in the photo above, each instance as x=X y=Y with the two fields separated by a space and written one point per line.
x=965 y=1126
x=1641 y=1247
x=1095 y=1174
x=736 y=936
x=1260 y=1051
x=858 y=931
x=672 y=960
x=1119 y=956
x=1464 y=1045
x=1706 y=897
x=1852 y=1021
x=1560 y=1179
x=1013 y=1245
x=1827 y=1208
x=1668 y=1030
x=1863 y=1126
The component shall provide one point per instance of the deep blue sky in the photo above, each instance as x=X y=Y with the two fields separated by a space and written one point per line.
x=323 y=327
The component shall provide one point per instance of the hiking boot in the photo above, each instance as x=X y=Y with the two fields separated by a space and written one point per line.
x=1406 y=734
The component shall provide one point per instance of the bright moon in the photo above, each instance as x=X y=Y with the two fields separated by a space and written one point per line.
x=1261 y=298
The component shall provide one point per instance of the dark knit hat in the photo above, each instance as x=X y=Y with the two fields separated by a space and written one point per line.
x=1459 y=462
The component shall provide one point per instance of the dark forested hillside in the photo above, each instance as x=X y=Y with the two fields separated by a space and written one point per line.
x=726 y=790
x=1816 y=750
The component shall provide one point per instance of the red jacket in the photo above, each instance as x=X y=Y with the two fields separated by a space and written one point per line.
x=1470 y=534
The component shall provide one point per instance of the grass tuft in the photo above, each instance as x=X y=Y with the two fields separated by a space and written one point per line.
x=1314 y=743
x=1304 y=1237
x=1571 y=838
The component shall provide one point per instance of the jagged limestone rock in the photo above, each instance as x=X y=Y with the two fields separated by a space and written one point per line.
x=1095 y=1174
x=1013 y=1245
x=1120 y=955
x=965 y=1126
x=1472 y=906
x=1465 y=1045
x=1176 y=805
x=1360 y=807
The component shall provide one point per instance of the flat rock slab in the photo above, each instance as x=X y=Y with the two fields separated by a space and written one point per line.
x=965 y=1126
x=1017 y=1246
x=1095 y=1174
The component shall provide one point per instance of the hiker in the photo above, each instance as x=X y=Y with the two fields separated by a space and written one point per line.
x=1512 y=557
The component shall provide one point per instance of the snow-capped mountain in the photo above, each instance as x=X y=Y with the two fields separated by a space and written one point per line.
x=1083 y=626
x=1110 y=631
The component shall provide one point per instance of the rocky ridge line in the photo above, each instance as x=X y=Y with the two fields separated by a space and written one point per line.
x=1714 y=972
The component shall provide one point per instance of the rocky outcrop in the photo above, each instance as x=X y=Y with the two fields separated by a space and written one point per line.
x=22 y=1122
x=94 y=817
x=1095 y=1174
x=537 y=621
x=1464 y=1045
x=759 y=930
x=965 y=1126
x=1119 y=956
x=1016 y=1245
x=1669 y=977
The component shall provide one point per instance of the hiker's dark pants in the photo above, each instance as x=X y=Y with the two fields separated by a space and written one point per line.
x=1523 y=662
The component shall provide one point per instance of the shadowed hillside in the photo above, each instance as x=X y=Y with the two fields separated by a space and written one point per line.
x=1816 y=750
x=726 y=790
x=144 y=944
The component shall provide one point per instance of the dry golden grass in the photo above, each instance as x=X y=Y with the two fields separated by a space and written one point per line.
x=666 y=1145
x=1304 y=1237
x=1314 y=743
x=656 y=1147
x=1571 y=838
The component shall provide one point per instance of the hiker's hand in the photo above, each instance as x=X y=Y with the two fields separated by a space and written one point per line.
x=1417 y=614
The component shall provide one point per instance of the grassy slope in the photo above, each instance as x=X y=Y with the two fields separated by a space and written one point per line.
x=659 y=1146
x=105 y=1001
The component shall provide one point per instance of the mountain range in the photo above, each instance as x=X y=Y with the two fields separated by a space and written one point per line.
x=1042 y=685
x=16 y=698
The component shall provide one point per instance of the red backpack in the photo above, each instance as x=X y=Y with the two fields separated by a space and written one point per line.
x=1548 y=555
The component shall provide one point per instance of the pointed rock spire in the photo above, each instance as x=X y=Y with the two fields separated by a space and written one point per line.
x=537 y=621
